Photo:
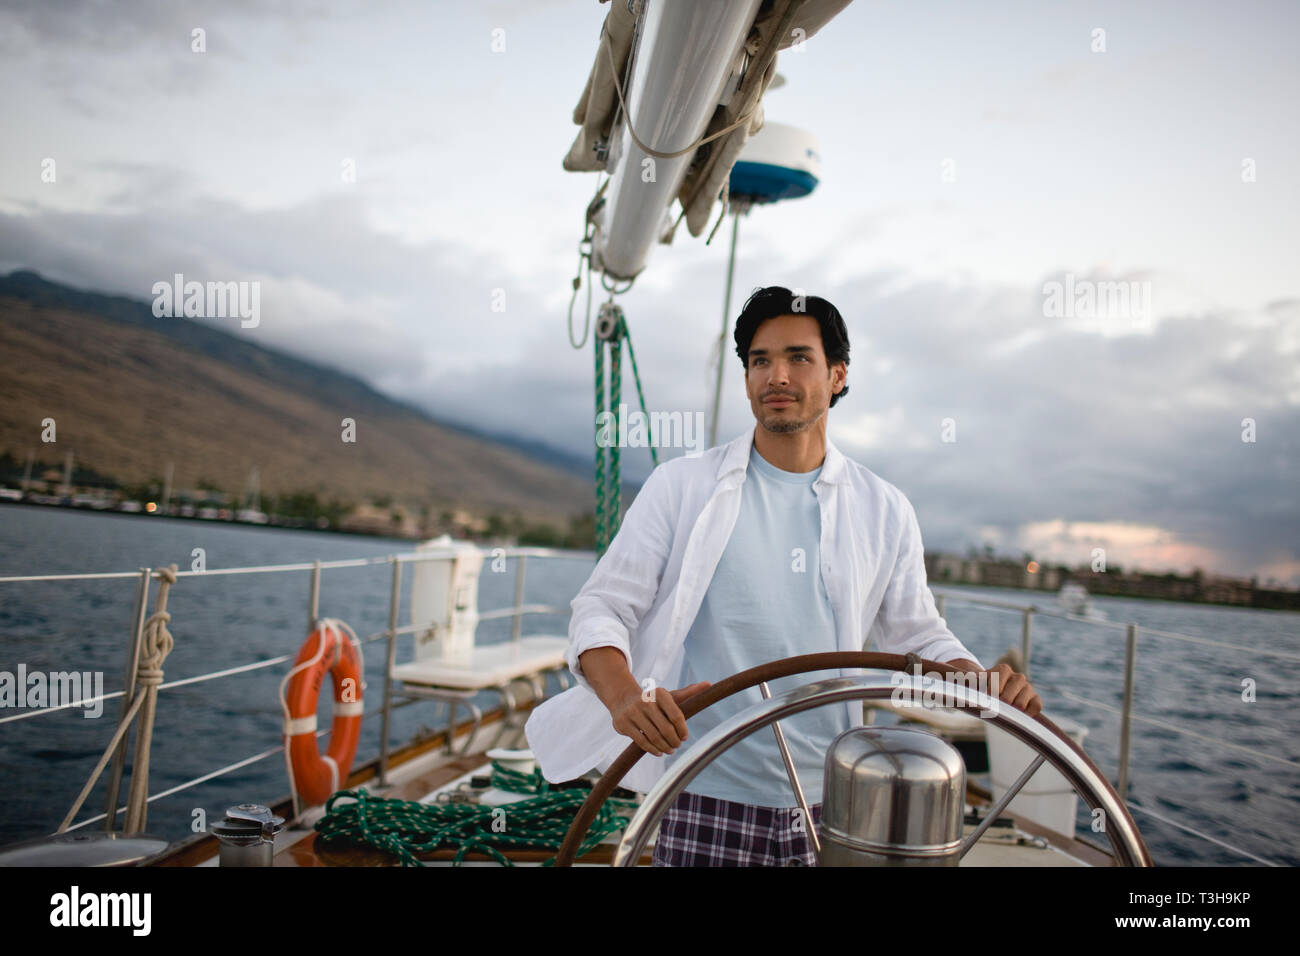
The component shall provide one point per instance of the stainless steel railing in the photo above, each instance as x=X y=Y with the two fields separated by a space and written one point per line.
x=1125 y=712
x=144 y=576
x=389 y=634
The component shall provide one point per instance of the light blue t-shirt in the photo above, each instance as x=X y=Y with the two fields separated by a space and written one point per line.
x=766 y=601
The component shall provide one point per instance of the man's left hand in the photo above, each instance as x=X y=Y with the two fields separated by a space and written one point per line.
x=1015 y=689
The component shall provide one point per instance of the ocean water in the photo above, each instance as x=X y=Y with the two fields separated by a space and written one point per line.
x=1247 y=803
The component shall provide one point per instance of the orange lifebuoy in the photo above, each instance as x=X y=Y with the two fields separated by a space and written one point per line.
x=312 y=775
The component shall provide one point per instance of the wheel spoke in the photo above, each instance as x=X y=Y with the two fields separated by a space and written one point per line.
x=1001 y=805
x=793 y=775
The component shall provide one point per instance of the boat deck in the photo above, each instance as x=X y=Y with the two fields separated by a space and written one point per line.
x=1012 y=841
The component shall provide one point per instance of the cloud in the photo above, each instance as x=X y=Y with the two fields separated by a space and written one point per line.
x=228 y=168
x=1068 y=428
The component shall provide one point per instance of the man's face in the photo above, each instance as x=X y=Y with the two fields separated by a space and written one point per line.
x=787 y=362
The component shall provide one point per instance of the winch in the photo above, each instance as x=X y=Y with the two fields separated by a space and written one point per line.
x=247 y=835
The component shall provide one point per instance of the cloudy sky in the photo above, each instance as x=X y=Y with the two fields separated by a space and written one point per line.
x=972 y=155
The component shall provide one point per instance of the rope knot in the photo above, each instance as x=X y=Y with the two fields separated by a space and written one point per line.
x=156 y=641
x=156 y=644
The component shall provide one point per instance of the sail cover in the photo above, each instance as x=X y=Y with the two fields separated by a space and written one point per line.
x=710 y=170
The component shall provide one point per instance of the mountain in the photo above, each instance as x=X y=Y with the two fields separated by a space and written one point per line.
x=130 y=392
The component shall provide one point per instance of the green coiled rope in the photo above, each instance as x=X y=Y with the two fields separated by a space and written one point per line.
x=406 y=828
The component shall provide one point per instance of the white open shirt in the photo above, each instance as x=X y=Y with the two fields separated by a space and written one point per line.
x=646 y=589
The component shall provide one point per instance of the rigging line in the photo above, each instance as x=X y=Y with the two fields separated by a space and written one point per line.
x=636 y=376
x=622 y=102
x=600 y=516
x=577 y=284
x=585 y=254
x=1203 y=836
x=1174 y=727
x=956 y=597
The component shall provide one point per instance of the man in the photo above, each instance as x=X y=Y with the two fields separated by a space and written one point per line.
x=770 y=546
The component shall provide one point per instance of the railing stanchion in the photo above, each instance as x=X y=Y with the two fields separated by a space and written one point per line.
x=1130 y=659
x=128 y=685
x=394 y=606
x=1026 y=643
x=519 y=597
x=313 y=600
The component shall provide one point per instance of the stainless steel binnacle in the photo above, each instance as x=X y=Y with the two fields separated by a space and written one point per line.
x=893 y=796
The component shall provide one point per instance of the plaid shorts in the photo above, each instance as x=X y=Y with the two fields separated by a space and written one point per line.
x=704 y=831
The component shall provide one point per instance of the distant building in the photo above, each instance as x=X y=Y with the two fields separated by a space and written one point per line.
x=998 y=573
x=393 y=521
x=466 y=524
x=1003 y=572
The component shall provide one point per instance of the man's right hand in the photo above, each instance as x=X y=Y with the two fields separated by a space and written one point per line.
x=654 y=721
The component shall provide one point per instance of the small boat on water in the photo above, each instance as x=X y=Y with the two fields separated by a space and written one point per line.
x=1074 y=598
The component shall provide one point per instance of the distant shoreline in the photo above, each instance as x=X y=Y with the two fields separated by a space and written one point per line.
x=1118 y=597
x=231 y=522
x=410 y=542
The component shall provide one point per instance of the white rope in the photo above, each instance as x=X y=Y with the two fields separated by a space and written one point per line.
x=103 y=761
x=585 y=255
x=356 y=642
x=288 y=718
x=156 y=643
x=627 y=113
x=310 y=662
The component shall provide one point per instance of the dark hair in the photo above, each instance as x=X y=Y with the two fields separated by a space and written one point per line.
x=775 y=300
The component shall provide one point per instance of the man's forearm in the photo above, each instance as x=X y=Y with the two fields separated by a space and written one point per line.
x=607 y=672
